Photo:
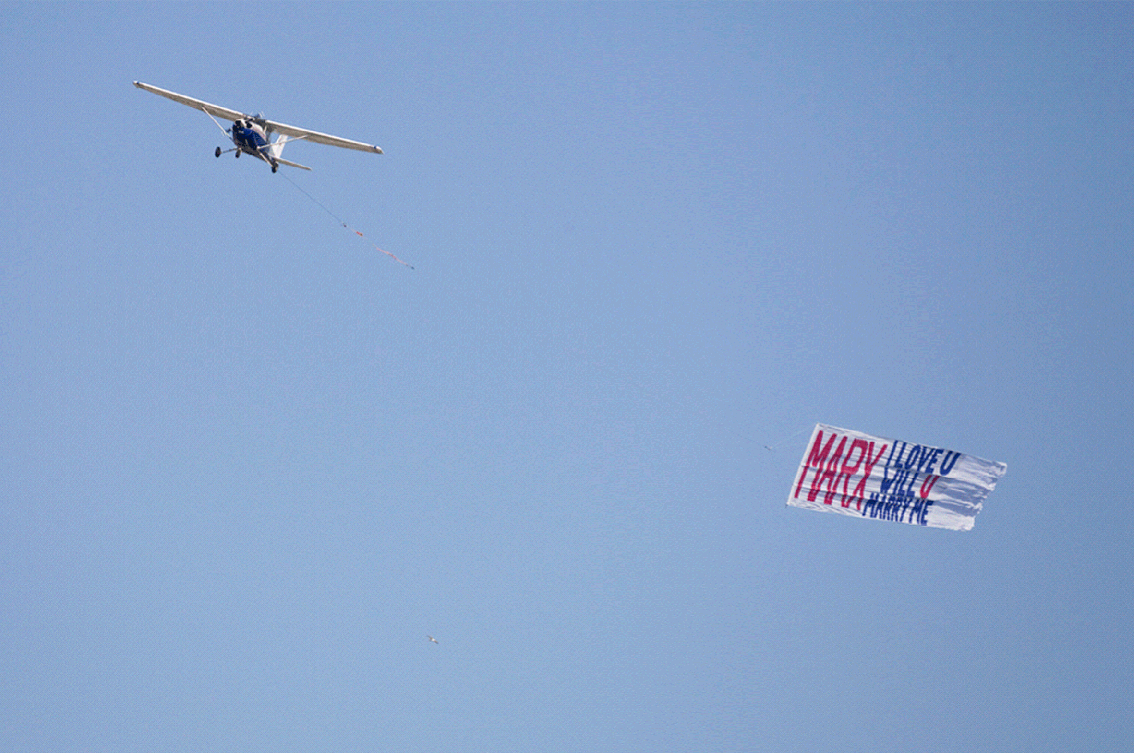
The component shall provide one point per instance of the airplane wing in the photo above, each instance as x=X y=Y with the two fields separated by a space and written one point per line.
x=226 y=114
x=218 y=112
x=320 y=138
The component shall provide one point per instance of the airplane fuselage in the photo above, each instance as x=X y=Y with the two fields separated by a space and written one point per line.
x=251 y=138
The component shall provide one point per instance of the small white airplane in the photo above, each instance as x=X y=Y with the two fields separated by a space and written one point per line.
x=252 y=133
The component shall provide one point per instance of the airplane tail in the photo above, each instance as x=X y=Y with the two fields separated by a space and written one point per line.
x=276 y=148
x=292 y=164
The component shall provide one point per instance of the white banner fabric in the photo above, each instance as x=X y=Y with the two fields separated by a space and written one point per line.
x=852 y=473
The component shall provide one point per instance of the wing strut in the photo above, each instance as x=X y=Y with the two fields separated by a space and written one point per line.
x=225 y=131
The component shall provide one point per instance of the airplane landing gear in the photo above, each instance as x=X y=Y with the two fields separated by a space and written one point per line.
x=218 y=152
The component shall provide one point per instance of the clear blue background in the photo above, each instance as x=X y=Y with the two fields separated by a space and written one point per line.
x=248 y=463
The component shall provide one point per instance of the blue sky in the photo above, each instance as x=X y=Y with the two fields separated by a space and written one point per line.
x=248 y=463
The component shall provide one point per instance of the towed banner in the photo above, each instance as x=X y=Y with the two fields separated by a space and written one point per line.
x=852 y=473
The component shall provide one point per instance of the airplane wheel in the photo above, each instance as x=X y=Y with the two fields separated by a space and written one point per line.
x=238 y=154
x=218 y=151
x=275 y=167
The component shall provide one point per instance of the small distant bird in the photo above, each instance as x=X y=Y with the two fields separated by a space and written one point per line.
x=433 y=639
